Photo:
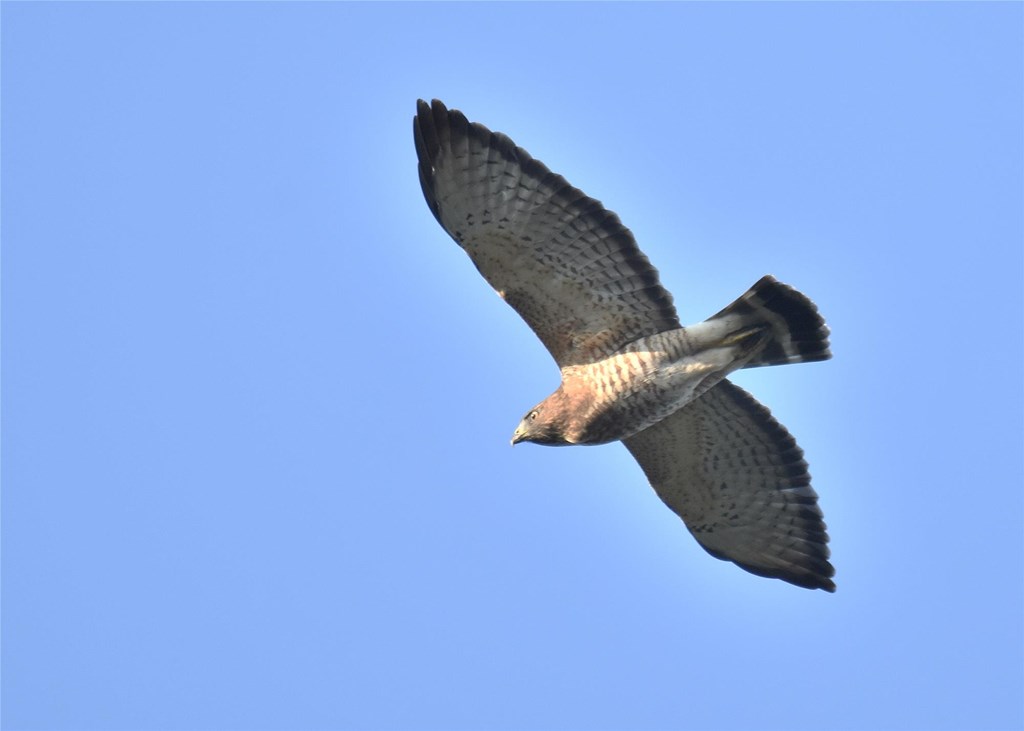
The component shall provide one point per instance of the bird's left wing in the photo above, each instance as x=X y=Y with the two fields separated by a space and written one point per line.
x=740 y=483
x=566 y=264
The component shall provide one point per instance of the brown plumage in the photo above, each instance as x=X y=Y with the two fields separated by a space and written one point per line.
x=630 y=373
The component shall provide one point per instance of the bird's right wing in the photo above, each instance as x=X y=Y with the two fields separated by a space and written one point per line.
x=564 y=263
x=740 y=483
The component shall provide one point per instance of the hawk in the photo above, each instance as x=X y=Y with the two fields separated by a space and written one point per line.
x=629 y=371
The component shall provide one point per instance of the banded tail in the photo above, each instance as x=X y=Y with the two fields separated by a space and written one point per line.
x=798 y=333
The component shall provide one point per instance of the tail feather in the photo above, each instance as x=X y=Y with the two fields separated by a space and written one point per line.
x=798 y=333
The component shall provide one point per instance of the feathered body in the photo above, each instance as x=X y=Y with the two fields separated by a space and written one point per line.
x=636 y=387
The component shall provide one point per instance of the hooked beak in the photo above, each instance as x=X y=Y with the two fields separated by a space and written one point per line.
x=518 y=435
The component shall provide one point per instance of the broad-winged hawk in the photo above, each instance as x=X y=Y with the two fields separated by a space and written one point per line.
x=629 y=371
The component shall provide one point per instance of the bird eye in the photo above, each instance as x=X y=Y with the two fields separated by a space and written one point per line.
x=532 y=416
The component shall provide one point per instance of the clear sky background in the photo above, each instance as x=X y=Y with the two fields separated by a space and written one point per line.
x=257 y=405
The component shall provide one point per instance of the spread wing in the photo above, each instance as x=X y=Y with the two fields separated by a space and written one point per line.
x=739 y=481
x=568 y=266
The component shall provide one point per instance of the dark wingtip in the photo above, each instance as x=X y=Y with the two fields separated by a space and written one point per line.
x=429 y=118
x=818 y=575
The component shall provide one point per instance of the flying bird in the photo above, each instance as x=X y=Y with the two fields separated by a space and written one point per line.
x=629 y=371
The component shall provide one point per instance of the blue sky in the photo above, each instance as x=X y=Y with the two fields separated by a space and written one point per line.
x=256 y=404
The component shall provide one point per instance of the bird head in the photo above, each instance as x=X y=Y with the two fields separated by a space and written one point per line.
x=538 y=426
